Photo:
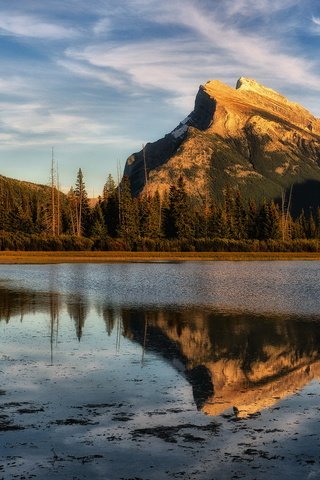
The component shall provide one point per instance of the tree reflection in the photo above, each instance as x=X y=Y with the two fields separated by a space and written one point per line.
x=78 y=309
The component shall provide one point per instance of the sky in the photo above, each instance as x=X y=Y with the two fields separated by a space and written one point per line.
x=96 y=80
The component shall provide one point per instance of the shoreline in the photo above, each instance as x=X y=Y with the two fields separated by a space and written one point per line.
x=20 y=257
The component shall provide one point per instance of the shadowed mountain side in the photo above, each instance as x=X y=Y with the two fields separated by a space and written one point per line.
x=305 y=195
x=249 y=361
x=250 y=138
x=158 y=153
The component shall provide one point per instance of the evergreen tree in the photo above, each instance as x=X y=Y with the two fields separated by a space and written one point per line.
x=269 y=222
x=179 y=218
x=229 y=205
x=312 y=228
x=129 y=229
x=252 y=227
x=109 y=188
x=150 y=216
x=239 y=218
x=110 y=206
x=218 y=226
x=97 y=223
x=297 y=228
x=82 y=210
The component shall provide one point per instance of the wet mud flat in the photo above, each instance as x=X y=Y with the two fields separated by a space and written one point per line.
x=115 y=440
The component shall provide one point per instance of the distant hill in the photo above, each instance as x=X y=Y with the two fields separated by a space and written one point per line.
x=24 y=206
x=251 y=138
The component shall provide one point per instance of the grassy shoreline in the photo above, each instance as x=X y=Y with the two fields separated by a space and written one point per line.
x=19 y=257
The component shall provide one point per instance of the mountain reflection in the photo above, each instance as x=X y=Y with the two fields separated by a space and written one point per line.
x=229 y=358
x=245 y=360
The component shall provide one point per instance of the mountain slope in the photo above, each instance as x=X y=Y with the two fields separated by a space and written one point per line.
x=23 y=205
x=250 y=137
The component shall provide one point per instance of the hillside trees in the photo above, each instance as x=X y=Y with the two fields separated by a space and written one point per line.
x=172 y=220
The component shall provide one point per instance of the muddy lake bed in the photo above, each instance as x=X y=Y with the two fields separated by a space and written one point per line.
x=195 y=370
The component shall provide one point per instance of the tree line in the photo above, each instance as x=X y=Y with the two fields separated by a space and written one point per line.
x=42 y=218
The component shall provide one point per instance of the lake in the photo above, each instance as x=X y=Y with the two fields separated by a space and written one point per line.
x=191 y=370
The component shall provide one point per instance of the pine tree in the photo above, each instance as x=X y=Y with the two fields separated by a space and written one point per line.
x=218 y=226
x=251 y=227
x=149 y=216
x=97 y=223
x=109 y=188
x=269 y=222
x=179 y=215
x=298 y=227
x=312 y=230
x=239 y=218
x=229 y=205
x=129 y=229
x=82 y=213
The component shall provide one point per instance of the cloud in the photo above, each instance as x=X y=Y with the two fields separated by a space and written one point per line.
x=250 y=8
x=101 y=26
x=14 y=85
x=107 y=78
x=37 y=123
x=34 y=124
x=33 y=27
x=207 y=48
x=250 y=50
x=150 y=64
x=316 y=20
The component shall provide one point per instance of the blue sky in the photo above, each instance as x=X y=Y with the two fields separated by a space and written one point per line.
x=98 y=79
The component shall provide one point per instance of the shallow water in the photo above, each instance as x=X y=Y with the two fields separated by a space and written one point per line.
x=167 y=370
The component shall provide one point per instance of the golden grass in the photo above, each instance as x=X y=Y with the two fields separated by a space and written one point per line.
x=118 y=257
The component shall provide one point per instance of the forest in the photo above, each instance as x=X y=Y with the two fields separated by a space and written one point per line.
x=35 y=217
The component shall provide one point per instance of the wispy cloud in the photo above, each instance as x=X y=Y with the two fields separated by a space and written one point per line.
x=101 y=26
x=33 y=27
x=250 y=50
x=96 y=74
x=38 y=122
x=14 y=85
x=209 y=48
x=250 y=8
x=316 y=20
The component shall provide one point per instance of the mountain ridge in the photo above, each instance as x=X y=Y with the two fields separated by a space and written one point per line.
x=250 y=137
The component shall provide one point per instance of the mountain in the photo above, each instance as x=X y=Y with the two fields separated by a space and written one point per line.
x=250 y=137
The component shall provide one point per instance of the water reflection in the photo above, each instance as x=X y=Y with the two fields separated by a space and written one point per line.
x=230 y=359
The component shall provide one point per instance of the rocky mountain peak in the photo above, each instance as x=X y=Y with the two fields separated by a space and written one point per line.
x=250 y=85
x=250 y=137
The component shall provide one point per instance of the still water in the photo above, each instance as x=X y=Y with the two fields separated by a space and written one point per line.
x=193 y=370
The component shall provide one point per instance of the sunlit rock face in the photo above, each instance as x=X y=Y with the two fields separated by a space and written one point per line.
x=232 y=360
x=250 y=137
